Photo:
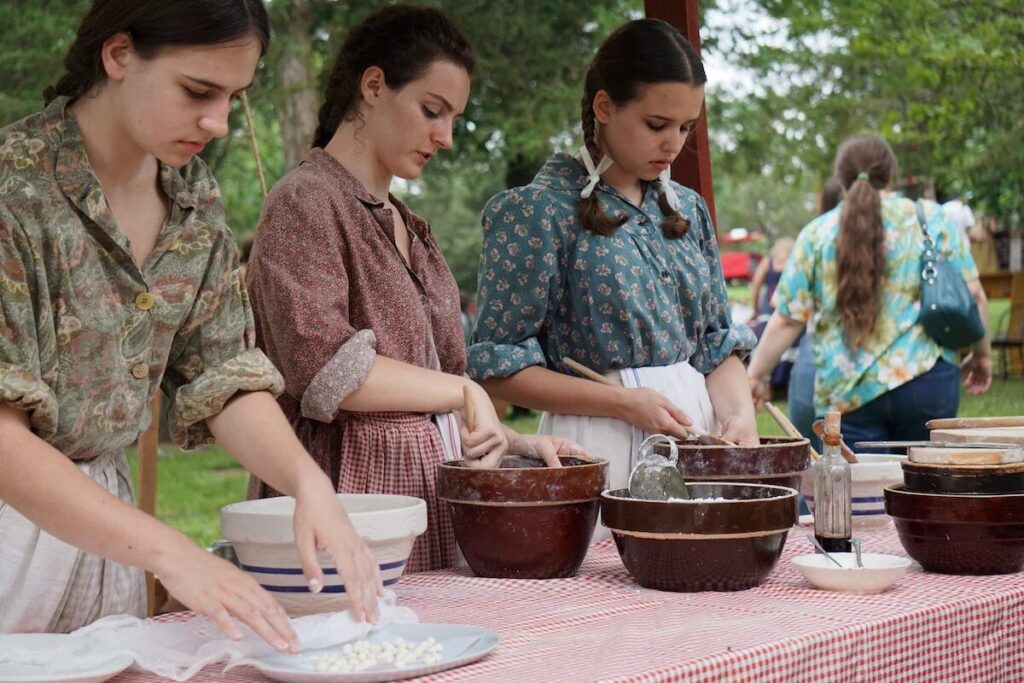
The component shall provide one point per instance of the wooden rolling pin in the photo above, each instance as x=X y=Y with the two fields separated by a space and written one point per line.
x=969 y=422
x=788 y=426
x=584 y=371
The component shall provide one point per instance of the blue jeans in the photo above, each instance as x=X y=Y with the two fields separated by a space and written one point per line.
x=800 y=396
x=900 y=414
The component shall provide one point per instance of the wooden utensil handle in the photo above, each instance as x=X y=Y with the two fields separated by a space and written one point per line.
x=787 y=426
x=584 y=371
x=968 y=422
x=468 y=402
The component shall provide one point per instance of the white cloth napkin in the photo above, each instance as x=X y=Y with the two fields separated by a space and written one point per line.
x=179 y=649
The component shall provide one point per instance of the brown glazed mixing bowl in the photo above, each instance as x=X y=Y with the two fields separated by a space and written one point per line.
x=523 y=520
x=778 y=461
x=960 y=534
x=702 y=545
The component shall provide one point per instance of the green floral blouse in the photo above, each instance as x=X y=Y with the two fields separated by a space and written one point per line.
x=86 y=336
x=899 y=349
x=549 y=289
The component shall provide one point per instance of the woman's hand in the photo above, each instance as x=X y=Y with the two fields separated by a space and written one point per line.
x=976 y=371
x=741 y=432
x=321 y=524
x=217 y=589
x=653 y=412
x=547 y=448
x=487 y=442
x=760 y=391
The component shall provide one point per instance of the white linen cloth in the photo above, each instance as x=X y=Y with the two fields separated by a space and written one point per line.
x=179 y=649
x=616 y=440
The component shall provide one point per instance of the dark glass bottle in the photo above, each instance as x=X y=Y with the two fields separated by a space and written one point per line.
x=833 y=522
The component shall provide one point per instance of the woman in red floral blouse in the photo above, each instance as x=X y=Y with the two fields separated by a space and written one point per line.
x=353 y=299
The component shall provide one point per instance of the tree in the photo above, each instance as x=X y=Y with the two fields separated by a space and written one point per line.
x=942 y=80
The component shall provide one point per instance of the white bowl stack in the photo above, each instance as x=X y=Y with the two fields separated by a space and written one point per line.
x=869 y=476
x=263 y=537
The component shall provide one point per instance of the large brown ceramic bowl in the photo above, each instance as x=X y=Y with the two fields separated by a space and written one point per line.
x=960 y=534
x=985 y=479
x=523 y=520
x=778 y=461
x=702 y=545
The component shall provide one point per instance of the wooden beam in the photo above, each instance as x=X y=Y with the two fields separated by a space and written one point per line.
x=693 y=167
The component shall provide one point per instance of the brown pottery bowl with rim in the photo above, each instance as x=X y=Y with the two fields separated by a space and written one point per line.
x=960 y=534
x=523 y=520
x=963 y=479
x=778 y=461
x=702 y=545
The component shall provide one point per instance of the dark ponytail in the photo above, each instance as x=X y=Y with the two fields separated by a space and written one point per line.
x=403 y=41
x=642 y=52
x=865 y=164
x=152 y=25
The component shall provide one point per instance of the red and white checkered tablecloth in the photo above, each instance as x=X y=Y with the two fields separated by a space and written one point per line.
x=601 y=626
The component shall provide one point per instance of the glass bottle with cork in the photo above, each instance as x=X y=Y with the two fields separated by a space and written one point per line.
x=833 y=522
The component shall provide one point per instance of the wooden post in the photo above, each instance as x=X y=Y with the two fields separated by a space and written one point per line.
x=693 y=167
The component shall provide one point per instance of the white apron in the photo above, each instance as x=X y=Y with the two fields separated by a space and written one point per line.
x=616 y=440
x=48 y=586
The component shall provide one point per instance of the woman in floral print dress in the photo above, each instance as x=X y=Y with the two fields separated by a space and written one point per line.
x=352 y=296
x=119 y=277
x=854 y=278
x=604 y=260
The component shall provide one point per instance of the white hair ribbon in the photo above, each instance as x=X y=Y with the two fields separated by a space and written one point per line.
x=594 y=174
x=664 y=179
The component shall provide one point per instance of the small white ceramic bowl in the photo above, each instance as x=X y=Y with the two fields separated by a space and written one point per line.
x=869 y=476
x=878 y=573
x=263 y=537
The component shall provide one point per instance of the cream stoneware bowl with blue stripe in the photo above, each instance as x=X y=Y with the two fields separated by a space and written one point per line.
x=263 y=537
x=869 y=476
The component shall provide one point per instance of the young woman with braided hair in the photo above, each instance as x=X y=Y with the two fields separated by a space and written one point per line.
x=854 y=279
x=602 y=259
x=352 y=297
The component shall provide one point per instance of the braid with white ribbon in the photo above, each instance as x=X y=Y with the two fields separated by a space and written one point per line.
x=664 y=180
x=593 y=173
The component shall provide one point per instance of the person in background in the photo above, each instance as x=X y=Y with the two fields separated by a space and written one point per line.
x=800 y=393
x=604 y=260
x=118 y=278
x=854 y=280
x=762 y=288
x=960 y=214
x=352 y=297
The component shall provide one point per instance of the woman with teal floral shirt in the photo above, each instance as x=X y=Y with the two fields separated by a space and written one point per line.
x=854 y=278
x=616 y=267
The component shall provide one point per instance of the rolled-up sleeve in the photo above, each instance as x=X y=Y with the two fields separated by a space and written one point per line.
x=519 y=276
x=301 y=302
x=214 y=354
x=721 y=337
x=21 y=372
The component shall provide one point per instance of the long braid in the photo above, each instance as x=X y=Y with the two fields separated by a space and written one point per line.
x=592 y=214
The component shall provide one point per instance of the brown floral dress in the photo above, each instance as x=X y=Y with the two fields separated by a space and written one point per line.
x=330 y=290
x=87 y=338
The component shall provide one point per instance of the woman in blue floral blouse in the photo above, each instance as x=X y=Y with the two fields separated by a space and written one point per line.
x=616 y=267
x=854 y=279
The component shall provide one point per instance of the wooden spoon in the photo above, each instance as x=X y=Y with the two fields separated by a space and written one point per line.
x=703 y=436
x=788 y=427
x=470 y=417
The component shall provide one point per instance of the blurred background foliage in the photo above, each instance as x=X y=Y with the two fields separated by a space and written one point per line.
x=942 y=80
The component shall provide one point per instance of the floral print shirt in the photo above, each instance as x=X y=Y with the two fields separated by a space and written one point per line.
x=899 y=349
x=550 y=289
x=86 y=336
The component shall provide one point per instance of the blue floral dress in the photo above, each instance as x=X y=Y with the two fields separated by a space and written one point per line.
x=899 y=349
x=550 y=289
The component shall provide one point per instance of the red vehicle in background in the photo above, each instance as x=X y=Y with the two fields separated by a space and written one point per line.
x=741 y=252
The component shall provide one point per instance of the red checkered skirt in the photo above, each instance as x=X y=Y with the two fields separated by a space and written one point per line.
x=398 y=453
